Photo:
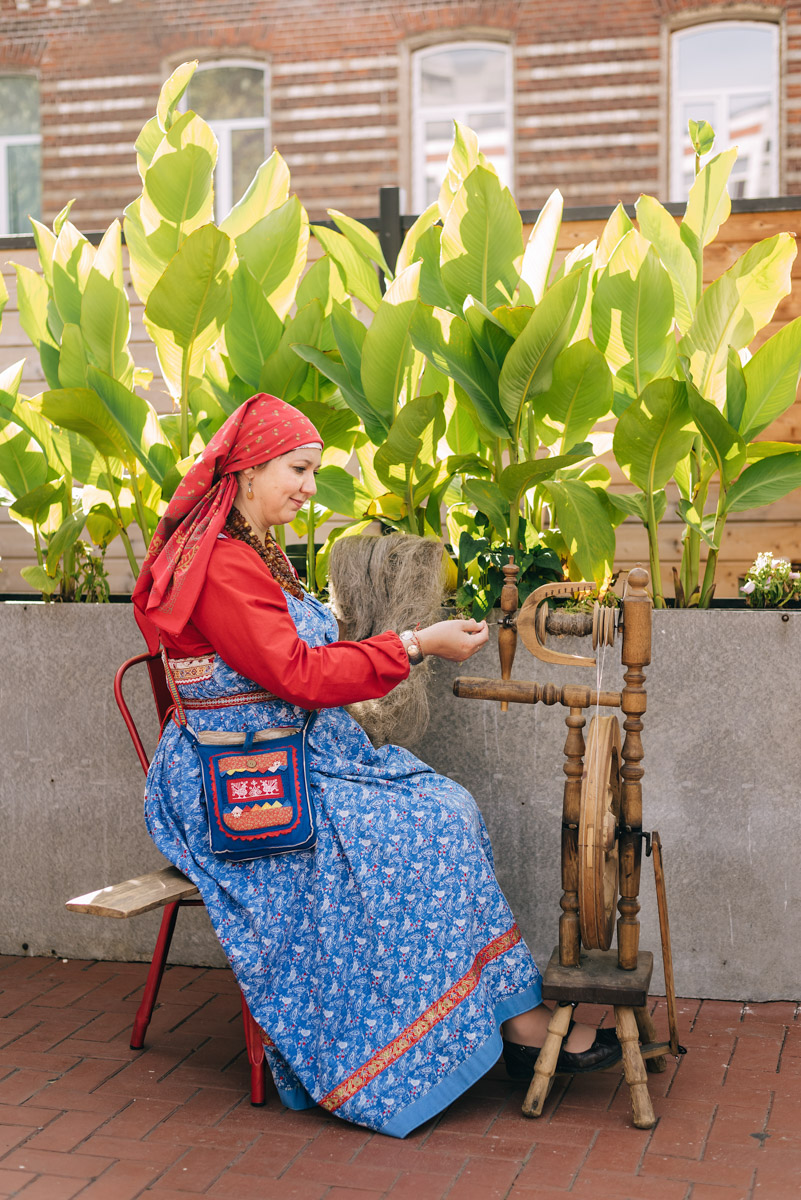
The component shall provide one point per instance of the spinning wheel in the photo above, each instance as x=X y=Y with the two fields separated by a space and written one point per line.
x=602 y=835
x=598 y=829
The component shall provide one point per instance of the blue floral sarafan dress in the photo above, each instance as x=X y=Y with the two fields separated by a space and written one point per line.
x=380 y=964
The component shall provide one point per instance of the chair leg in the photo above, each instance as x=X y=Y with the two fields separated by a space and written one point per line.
x=255 y=1049
x=157 y=963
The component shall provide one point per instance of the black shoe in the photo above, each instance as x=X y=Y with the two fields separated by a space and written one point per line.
x=604 y=1052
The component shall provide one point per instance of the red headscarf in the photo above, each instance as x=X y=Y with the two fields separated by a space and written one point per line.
x=175 y=565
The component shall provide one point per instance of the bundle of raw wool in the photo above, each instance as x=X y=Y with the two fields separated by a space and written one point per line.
x=392 y=582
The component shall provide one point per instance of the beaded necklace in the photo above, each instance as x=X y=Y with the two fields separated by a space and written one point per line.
x=268 y=551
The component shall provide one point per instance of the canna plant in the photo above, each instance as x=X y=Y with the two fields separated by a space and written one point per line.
x=689 y=410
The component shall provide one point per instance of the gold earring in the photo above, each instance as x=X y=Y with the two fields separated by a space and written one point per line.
x=250 y=489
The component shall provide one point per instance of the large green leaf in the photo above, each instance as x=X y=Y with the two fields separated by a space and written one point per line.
x=39 y=579
x=409 y=450
x=177 y=197
x=580 y=394
x=661 y=230
x=528 y=368
x=708 y=206
x=268 y=190
x=45 y=245
x=10 y=379
x=338 y=490
x=387 y=352
x=105 y=314
x=284 y=372
x=518 y=478
x=635 y=504
x=618 y=224
x=408 y=252
x=83 y=411
x=734 y=407
x=253 y=329
x=632 y=315
x=189 y=305
x=446 y=341
x=722 y=441
x=463 y=157
x=138 y=422
x=32 y=296
x=324 y=282
x=541 y=247
x=63 y=539
x=734 y=308
x=583 y=521
x=493 y=340
x=765 y=481
x=275 y=250
x=23 y=467
x=171 y=92
x=771 y=379
x=363 y=239
x=145 y=264
x=36 y=505
x=482 y=242
x=146 y=145
x=72 y=262
x=361 y=279
x=654 y=434
x=73 y=363
x=489 y=499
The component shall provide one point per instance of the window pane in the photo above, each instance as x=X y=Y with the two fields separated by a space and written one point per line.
x=248 y=153
x=727 y=56
x=463 y=75
x=24 y=186
x=19 y=104
x=222 y=93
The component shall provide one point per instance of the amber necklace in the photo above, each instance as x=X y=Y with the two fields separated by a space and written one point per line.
x=268 y=551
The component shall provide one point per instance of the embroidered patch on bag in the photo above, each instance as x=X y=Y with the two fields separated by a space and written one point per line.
x=260 y=816
x=271 y=761
x=271 y=788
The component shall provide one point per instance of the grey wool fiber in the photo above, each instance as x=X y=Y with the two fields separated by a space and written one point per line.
x=381 y=583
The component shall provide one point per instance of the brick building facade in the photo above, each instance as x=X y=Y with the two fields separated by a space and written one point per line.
x=584 y=94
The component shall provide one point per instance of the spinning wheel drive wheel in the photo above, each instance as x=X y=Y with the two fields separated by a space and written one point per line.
x=598 y=826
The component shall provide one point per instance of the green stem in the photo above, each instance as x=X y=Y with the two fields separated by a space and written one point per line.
x=514 y=526
x=311 y=557
x=126 y=541
x=139 y=503
x=653 y=554
x=498 y=459
x=708 y=586
x=185 y=404
x=280 y=536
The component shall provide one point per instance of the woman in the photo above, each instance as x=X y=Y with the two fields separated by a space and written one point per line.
x=380 y=965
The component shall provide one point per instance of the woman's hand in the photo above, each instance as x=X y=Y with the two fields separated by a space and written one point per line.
x=454 y=640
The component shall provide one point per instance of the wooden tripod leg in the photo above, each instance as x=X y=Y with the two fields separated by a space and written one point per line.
x=647 y=1029
x=634 y=1068
x=546 y=1061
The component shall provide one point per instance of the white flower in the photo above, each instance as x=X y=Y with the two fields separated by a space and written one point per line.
x=748 y=587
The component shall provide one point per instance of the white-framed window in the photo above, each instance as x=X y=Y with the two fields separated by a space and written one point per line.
x=727 y=73
x=20 y=153
x=232 y=97
x=471 y=82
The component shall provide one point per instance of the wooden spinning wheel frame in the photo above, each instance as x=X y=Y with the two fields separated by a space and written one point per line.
x=599 y=821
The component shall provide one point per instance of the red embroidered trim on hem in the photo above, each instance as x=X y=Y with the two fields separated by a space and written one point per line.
x=424 y=1023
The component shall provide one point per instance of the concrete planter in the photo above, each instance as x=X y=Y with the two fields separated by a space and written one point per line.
x=721 y=785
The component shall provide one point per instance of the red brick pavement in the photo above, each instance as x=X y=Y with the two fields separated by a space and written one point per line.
x=83 y=1116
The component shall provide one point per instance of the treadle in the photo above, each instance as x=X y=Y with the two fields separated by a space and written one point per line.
x=135 y=896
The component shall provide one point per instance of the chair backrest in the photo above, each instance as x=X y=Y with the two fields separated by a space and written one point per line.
x=161 y=697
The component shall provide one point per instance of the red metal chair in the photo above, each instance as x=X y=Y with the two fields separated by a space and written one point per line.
x=253 y=1040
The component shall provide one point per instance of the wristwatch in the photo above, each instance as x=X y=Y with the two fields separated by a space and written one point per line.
x=412 y=647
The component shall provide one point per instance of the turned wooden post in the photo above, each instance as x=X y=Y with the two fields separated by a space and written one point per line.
x=635 y=654
x=507 y=632
x=569 y=935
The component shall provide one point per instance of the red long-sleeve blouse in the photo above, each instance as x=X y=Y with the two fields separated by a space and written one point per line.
x=242 y=615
